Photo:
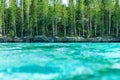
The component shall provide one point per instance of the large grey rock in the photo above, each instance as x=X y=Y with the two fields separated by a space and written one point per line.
x=41 y=38
x=27 y=39
x=69 y=39
x=17 y=39
x=8 y=39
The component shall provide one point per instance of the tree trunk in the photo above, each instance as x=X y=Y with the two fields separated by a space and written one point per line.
x=3 y=18
x=109 y=32
x=53 y=27
x=95 y=23
x=65 y=32
x=36 y=26
x=56 y=31
x=44 y=32
x=71 y=28
x=27 y=15
x=95 y=29
x=75 y=29
x=117 y=30
x=3 y=23
x=71 y=23
x=22 y=17
x=102 y=27
x=53 y=20
x=46 y=25
x=79 y=32
x=90 y=23
x=15 y=32
x=83 y=25
x=3 y=29
x=0 y=24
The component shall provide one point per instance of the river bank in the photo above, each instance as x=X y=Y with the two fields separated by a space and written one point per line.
x=58 y=39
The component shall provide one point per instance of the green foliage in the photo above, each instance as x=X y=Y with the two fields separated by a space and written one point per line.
x=87 y=18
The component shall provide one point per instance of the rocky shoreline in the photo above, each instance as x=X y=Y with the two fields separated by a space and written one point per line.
x=57 y=39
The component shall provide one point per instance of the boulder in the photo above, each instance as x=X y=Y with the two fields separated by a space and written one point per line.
x=41 y=38
x=69 y=39
x=27 y=39
x=17 y=39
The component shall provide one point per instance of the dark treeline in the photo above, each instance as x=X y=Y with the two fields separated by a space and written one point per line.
x=85 y=18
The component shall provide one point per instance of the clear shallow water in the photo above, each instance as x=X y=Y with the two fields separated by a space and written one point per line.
x=60 y=61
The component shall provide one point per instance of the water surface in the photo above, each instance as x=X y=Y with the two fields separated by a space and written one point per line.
x=60 y=61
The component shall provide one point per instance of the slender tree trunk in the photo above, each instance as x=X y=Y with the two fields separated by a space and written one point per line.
x=15 y=32
x=22 y=30
x=53 y=27
x=27 y=15
x=102 y=27
x=95 y=29
x=117 y=30
x=1 y=20
x=95 y=23
x=3 y=29
x=109 y=32
x=22 y=17
x=90 y=23
x=53 y=20
x=79 y=32
x=56 y=30
x=75 y=28
x=65 y=31
x=44 y=26
x=14 y=28
x=3 y=25
x=13 y=16
x=83 y=25
x=36 y=25
x=88 y=29
x=71 y=28
x=74 y=20
x=71 y=23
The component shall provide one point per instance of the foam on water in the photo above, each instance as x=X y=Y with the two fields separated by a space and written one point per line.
x=49 y=61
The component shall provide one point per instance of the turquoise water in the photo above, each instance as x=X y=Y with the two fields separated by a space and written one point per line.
x=60 y=61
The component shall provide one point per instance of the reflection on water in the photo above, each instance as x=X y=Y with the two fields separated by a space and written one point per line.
x=60 y=61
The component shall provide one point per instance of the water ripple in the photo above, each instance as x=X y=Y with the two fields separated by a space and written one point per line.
x=59 y=61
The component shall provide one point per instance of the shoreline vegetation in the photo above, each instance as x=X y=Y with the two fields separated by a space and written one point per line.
x=43 y=38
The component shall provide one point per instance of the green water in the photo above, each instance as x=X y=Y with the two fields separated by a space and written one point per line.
x=60 y=61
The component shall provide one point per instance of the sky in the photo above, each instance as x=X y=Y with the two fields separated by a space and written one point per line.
x=65 y=1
